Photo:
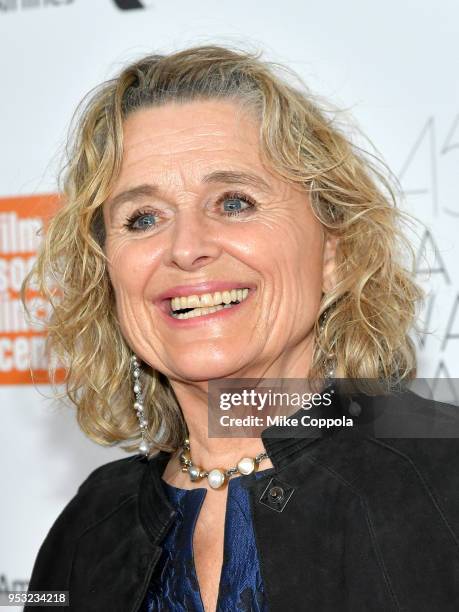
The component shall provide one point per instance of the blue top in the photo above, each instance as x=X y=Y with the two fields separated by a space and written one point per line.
x=174 y=584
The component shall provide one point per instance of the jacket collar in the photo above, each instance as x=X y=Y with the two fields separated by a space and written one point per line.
x=282 y=443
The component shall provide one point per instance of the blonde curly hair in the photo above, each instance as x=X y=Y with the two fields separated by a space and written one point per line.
x=363 y=323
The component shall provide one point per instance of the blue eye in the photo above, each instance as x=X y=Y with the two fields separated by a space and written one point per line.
x=140 y=221
x=232 y=203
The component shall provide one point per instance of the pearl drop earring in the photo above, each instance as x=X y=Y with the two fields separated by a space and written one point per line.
x=144 y=446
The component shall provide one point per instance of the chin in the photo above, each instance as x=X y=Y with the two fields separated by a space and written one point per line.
x=198 y=368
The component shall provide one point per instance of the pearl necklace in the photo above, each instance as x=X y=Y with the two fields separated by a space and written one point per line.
x=218 y=476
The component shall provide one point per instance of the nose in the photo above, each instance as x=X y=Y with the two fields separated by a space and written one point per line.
x=194 y=240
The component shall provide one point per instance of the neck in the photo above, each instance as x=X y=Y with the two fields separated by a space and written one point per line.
x=212 y=452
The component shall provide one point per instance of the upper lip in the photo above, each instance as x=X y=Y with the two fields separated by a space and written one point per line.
x=201 y=288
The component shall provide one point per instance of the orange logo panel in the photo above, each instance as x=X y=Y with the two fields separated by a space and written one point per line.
x=22 y=355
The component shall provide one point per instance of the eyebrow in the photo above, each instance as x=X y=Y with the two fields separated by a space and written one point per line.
x=229 y=177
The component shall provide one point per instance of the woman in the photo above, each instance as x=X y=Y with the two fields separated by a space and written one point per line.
x=217 y=224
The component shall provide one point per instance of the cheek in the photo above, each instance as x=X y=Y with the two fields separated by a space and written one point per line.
x=130 y=266
x=303 y=247
x=293 y=245
x=120 y=261
x=308 y=271
x=295 y=252
x=128 y=280
x=287 y=253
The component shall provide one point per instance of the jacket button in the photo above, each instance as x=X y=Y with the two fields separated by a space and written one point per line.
x=276 y=494
x=355 y=408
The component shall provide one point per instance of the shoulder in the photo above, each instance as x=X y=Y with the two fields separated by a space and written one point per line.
x=107 y=490
x=107 y=487
x=404 y=428
x=120 y=476
x=397 y=495
x=406 y=455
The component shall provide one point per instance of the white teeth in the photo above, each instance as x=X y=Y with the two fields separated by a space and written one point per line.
x=208 y=300
x=199 y=312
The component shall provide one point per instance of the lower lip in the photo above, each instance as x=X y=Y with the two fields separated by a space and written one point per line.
x=207 y=318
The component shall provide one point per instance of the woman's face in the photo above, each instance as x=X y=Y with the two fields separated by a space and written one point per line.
x=194 y=204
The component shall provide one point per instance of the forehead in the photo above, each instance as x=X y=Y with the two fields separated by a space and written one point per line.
x=192 y=132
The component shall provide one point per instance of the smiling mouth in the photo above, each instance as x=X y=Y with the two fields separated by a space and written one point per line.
x=197 y=306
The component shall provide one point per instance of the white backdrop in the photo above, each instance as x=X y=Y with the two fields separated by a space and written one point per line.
x=393 y=64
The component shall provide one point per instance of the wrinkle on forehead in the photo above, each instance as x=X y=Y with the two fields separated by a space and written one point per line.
x=171 y=142
x=195 y=120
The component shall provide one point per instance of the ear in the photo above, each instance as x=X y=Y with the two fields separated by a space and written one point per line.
x=329 y=279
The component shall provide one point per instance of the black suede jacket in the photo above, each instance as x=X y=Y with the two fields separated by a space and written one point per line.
x=361 y=524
